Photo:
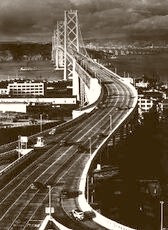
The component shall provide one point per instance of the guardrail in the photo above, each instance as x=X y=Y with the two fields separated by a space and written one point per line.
x=100 y=219
x=48 y=219
x=16 y=162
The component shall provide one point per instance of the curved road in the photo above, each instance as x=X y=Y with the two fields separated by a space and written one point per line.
x=21 y=205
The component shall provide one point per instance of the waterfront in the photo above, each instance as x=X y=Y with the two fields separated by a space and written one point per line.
x=152 y=66
x=45 y=70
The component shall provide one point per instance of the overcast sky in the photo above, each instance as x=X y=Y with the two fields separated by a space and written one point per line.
x=34 y=20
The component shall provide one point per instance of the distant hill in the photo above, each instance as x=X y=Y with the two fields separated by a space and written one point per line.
x=20 y=50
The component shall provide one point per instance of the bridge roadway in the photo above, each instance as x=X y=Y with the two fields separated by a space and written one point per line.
x=23 y=207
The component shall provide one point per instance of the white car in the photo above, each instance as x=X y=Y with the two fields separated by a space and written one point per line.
x=78 y=214
x=52 y=132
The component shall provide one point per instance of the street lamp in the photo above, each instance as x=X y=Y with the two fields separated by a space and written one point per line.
x=111 y=122
x=90 y=146
x=49 y=199
x=87 y=188
x=161 y=215
x=19 y=146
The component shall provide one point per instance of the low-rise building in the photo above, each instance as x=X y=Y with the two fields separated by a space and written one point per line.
x=147 y=99
x=26 y=89
x=4 y=91
x=145 y=104
x=142 y=84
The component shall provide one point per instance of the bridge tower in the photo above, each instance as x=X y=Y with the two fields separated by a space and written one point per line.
x=59 y=53
x=71 y=45
x=53 y=48
x=64 y=43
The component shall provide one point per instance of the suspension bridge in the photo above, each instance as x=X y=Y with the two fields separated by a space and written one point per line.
x=44 y=186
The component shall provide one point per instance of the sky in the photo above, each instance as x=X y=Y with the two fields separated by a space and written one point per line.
x=35 y=20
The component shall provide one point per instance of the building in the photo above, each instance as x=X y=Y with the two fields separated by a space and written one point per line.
x=18 y=107
x=128 y=79
x=145 y=104
x=141 y=84
x=4 y=91
x=26 y=89
x=147 y=99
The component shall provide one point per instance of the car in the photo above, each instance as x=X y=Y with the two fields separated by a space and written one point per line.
x=88 y=215
x=63 y=142
x=66 y=193
x=115 y=94
x=81 y=148
x=78 y=214
x=101 y=135
x=122 y=108
x=52 y=132
x=38 y=186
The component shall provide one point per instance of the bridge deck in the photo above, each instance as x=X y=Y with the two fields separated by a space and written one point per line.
x=61 y=165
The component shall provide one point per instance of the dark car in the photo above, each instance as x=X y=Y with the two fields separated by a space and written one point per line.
x=101 y=135
x=82 y=148
x=65 y=193
x=38 y=185
x=65 y=142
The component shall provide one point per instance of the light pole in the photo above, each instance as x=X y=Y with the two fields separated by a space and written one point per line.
x=161 y=215
x=90 y=146
x=87 y=188
x=19 y=146
x=111 y=122
x=49 y=199
x=41 y=123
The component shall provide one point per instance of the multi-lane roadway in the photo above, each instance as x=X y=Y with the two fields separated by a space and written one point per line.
x=61 y=162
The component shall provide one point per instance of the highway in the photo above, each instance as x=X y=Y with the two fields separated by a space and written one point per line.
x=61 y=164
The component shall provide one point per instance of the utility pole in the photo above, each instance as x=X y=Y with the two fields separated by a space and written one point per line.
x=111 y=122
x=90 y=146
x=161 y=214
x=49 y=199
x=19 y=146
x=87 y=188
x=41 y=123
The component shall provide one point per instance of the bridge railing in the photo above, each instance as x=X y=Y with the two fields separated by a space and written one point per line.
x=100 y=219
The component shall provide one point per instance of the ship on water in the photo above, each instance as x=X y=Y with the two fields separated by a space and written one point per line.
x=28 y=68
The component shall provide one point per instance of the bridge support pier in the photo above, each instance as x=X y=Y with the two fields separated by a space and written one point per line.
x=75 y=82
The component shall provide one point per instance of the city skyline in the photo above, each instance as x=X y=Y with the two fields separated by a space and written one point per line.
x=34 y=20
